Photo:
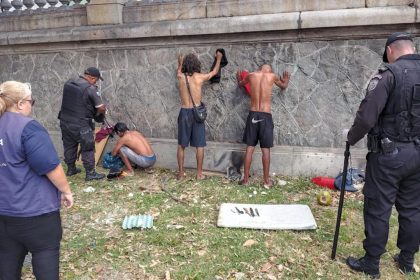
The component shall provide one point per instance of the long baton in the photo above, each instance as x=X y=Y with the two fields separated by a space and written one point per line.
x=341 y=202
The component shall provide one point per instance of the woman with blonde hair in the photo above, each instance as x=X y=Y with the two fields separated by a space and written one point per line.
x=32 y=187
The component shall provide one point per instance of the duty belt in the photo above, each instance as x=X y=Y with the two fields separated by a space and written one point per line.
x=71 y=119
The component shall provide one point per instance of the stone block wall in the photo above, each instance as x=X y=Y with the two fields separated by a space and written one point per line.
x=140 y=87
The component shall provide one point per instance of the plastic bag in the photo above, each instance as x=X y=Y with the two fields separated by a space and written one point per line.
x=354 y=177
x=111 y=162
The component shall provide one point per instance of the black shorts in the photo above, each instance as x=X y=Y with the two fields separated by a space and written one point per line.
x=259 y=127
x=190 y=131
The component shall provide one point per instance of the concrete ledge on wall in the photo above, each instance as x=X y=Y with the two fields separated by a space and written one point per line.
x=43 y=19
x=285 y=160
x=229 y=8
x=112 y=12
x=136 y=11
x=354 y=17
x=219 y=26
x=163 y=11
x=267 y=22
x=272 y=22
x=383 y=3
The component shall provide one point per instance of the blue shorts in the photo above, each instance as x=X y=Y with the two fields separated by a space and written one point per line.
x=190 y=131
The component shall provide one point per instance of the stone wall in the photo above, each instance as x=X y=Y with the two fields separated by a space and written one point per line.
x=331 y=55
x=327 y=84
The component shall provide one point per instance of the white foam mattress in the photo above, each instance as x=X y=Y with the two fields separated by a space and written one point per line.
x=266 y=216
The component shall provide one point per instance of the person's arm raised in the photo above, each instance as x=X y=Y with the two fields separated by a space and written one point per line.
x=216 y=68
x=180 y=61
x=283 y=82
x=242 y=82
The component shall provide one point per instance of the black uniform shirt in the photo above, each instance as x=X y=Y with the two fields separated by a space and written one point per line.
x=93 y=94
x=379 y=88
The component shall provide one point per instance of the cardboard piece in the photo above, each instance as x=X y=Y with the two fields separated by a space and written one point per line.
x=99 y=148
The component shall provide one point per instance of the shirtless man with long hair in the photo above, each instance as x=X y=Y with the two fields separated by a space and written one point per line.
x=191 y=132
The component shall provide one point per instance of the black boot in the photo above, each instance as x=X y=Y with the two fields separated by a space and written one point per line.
x=365 y=265
x=72 y=170
x=405 y=266
x=93 y=175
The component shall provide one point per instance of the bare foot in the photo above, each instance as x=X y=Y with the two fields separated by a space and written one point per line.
x=268 y=185
x=180 y=176
x=201 y=177
x=129 y=173
x=244 y=183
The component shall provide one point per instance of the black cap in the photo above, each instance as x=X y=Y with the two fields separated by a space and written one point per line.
x=92 y=71
x=395 y=37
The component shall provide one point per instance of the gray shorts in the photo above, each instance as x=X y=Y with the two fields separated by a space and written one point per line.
x=141 y=161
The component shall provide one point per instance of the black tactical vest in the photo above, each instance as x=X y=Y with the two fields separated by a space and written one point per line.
x=400 y=119
x=76 y=106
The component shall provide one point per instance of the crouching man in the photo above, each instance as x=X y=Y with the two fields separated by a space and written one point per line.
x=133 y=147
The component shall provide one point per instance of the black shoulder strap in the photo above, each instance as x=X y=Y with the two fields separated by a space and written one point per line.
x=188 y=87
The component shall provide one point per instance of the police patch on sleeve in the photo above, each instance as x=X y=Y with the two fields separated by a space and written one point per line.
x=374 y=82
x=378 y=76
x=98 y=93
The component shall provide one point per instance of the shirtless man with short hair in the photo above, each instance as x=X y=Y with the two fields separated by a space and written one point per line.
x=259 y=125
x=133 y=147
x=189 y=130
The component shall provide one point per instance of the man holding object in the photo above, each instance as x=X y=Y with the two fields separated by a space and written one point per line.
x=190 y=131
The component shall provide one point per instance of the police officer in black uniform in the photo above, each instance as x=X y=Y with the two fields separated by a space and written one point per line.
x=82 y=103
x=390 y=114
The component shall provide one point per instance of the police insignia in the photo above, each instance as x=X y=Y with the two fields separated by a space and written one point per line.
x=373 y=83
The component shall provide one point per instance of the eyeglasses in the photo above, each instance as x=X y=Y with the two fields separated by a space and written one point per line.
x=31 y=101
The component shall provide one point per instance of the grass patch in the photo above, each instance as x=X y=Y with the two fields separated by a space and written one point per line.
x=185 y=242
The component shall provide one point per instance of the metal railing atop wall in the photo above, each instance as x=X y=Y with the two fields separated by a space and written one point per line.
x=18 y=5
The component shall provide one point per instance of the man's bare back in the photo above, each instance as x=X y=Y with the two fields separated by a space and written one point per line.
x=196 y=81
x=259 y=125
x=262 y=82
x=136 y=142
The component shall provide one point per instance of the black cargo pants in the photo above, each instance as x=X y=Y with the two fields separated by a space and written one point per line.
x=72 y=135
x=392 y=179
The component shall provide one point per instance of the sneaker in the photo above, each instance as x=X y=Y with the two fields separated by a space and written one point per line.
x=365 y=266
x=72 y=171
x=404 y=268
x=93 y=175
